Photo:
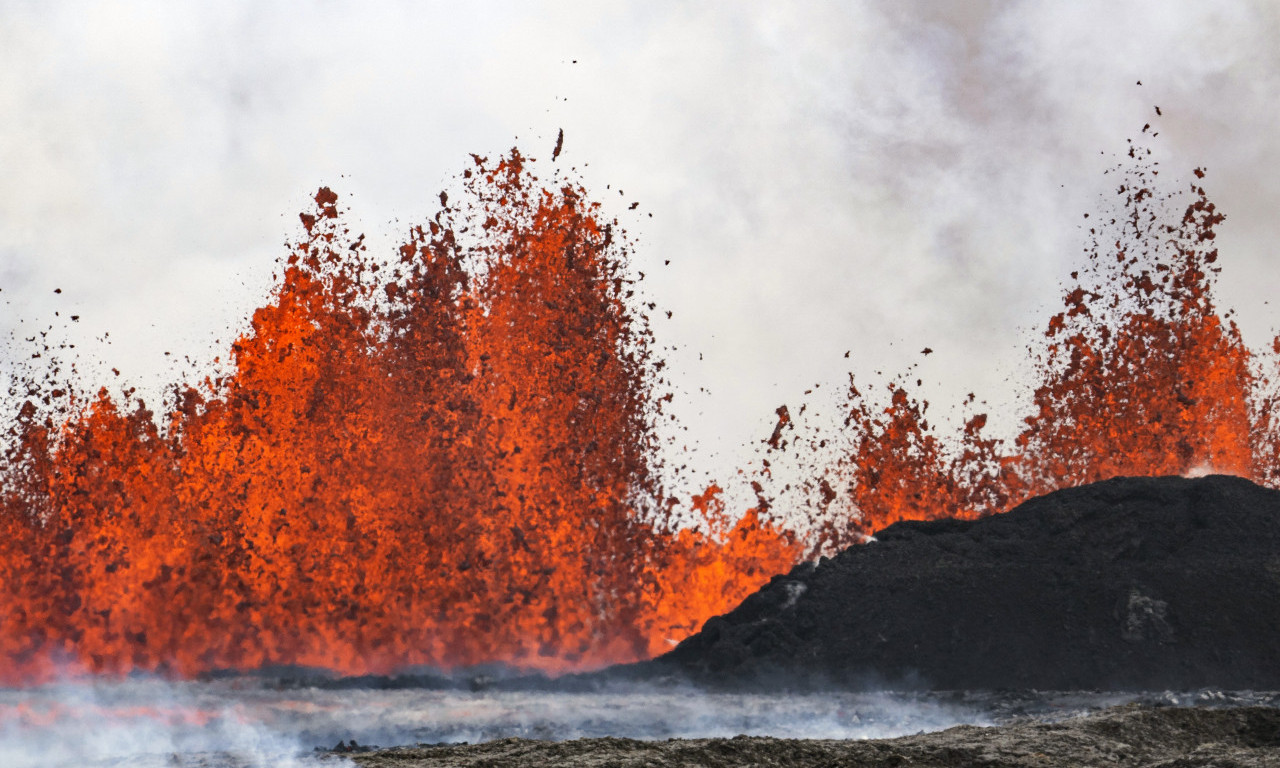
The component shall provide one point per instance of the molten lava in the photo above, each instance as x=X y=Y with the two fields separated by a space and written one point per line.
x=450 y=458
x=445 y=460
x=1138 y=375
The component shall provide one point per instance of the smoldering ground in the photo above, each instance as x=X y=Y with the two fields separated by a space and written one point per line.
x=244 y=722
x=1124 y=736
x=251 y=721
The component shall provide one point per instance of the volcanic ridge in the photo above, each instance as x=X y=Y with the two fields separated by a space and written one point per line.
x=1132 y=583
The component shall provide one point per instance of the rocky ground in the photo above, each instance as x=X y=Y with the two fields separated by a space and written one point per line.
x=1132 y=735
x=1128 y=584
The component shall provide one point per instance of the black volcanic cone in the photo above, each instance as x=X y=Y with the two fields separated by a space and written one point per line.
x=1131 y=583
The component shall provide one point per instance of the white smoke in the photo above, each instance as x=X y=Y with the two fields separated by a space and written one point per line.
x=248 y=723
x=142 y=723
x=872 y=176
x=259 y=722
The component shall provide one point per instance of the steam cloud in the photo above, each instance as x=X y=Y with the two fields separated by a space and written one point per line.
x=143 y=723
x=246 y=723
x=872 y=176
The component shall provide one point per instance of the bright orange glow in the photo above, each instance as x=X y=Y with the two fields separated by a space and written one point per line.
x=700 y=574
x=444 y=461
x=1138 y=375
x=451 y=459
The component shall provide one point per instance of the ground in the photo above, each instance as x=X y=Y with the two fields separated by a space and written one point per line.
x=1121 y=737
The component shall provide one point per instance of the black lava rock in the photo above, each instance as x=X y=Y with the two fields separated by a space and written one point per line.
x=1128 y=584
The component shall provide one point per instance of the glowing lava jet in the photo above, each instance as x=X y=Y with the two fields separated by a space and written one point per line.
x=443 y=460
x=1138 y=375
x=450 y=458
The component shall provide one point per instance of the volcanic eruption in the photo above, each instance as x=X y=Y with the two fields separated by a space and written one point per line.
x=1137 y=374
x=449 y=455
x=445 y=458
x=1097 y=578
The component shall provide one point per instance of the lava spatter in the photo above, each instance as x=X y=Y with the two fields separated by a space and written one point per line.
x=444 y=458
x=448 y=456
x=1138 y=374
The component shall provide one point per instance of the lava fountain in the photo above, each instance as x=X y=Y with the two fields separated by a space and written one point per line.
x=449 y=456
x=444 y=458
x=1138 y=374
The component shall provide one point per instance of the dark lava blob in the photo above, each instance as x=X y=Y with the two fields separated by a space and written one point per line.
x=1131 y=583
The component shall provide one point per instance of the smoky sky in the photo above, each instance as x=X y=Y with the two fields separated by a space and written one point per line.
x=875 y=177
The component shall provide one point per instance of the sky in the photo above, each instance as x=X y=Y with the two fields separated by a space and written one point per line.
x=870 y=177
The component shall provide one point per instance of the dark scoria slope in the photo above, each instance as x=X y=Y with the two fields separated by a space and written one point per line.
x=1131 y=583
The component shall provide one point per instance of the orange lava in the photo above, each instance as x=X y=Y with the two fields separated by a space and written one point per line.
x=450 y=458
x=443 y=460
x=1138 y=375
